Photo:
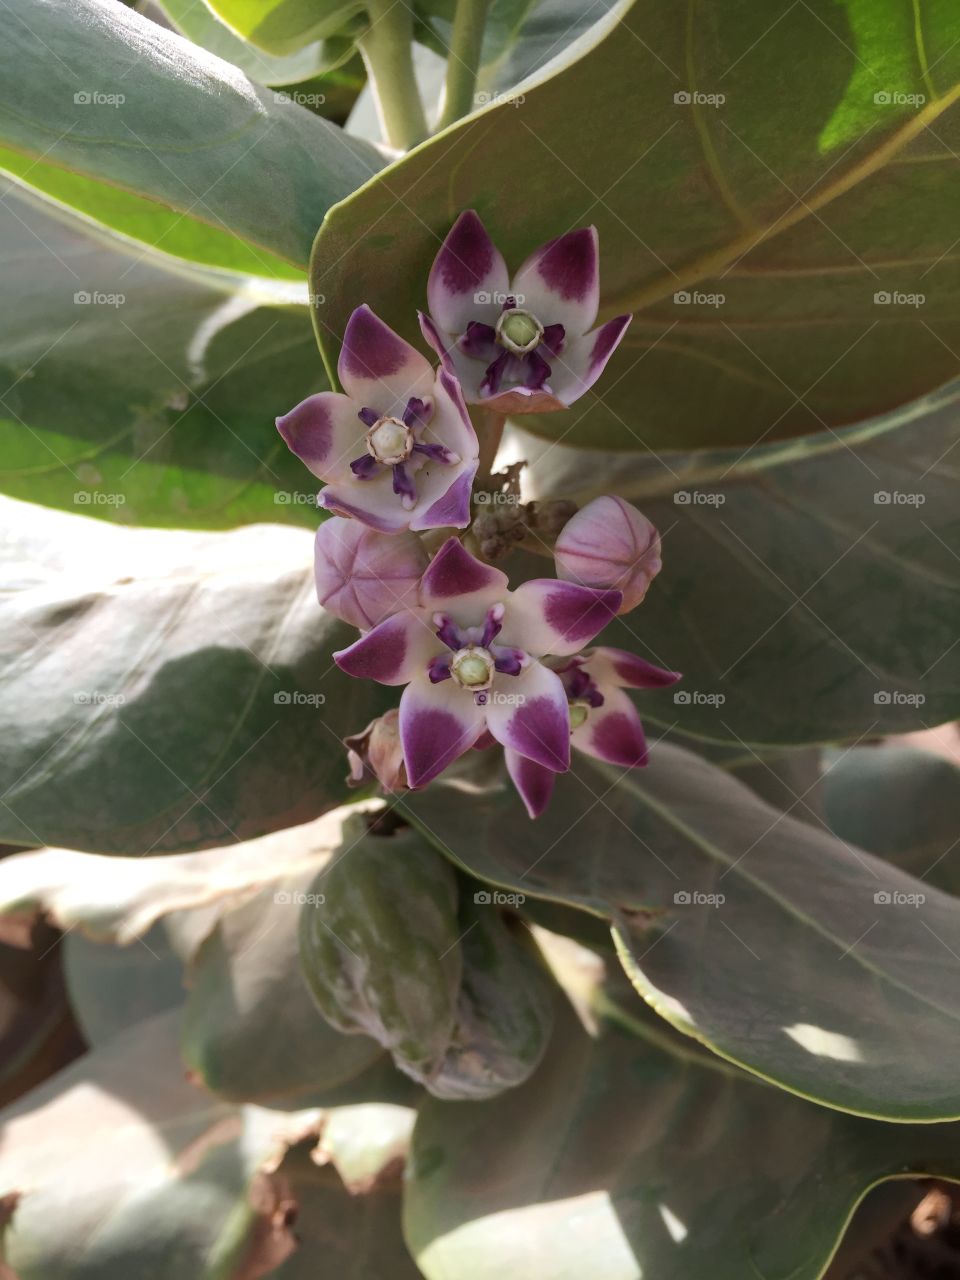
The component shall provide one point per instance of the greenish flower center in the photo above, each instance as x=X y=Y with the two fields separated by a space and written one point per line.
x=519 y=331
x=578 y=714
x=390 y=441
x=473 y=668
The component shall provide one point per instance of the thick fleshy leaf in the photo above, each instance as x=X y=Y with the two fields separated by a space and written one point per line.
x=120 y=1166
x=823 y=575
x=628 y=1155
x=119 y=901
x=786 y=241
x=108 y=95
x=165 y=689
x=901 y=803
x=379 y=945
x=140 y=394
x=286 y=26
x=784 y=949
x=199 y=23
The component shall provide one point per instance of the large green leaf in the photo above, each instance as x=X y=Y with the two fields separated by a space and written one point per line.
x=141 y=394
x=809 y=590
x=629 y=1156
x=784 y=949
x=98 y=90
x=198 y=22
x=121 y=1167
x=902 y=804
x=285 y=26
x=167 y=690
x=798 y=200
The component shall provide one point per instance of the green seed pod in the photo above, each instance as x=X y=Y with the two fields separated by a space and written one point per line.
x=379 y=945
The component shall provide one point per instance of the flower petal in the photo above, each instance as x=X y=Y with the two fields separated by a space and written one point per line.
x=534 y=719
x=438 y=723
x=618 y=667
x=394 y=652
x=549 y=616
x=560 y=282
x=378 y=369
x=371 y=501
x=584 y=359
x=533 y=782
x=468 y=279
x=364 y=576
x=451 y=506
x=325 y=433
x=454 y=572
x=613 y=732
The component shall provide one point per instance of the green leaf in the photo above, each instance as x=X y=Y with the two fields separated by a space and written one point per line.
x=113 y=988
x=379 y=945
x=628 y=1155
x=118 y=901
x=141 y=394
x=785 y=950
x=200 y=24
x=121 y=1167
x=284 y=27
x=110 y=96
x=167 y=690
x=755 y=200
x=901 y=803
x=812 y=587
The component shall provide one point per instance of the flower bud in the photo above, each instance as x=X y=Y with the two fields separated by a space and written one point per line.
x=377 y=753
x=609 y=543
x=364 y=576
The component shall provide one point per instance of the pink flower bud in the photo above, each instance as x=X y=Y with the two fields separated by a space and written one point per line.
x=609 y=543
x=364 y=576
x=377 y=753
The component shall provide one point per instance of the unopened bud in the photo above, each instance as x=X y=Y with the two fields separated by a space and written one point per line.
x=609 y=543
x=377 y=754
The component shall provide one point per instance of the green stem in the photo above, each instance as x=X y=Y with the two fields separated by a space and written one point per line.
x=466 y=42
x=387 y=51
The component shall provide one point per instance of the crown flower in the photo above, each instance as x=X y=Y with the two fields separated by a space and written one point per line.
x=520 y=345
x=397 y=450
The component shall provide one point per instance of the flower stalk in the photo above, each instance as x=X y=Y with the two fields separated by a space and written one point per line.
x=463 y=60
x=387 y=51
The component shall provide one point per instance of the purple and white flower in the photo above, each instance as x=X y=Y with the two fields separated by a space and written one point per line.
x=363 y=575
x=398 y=450
x=520 y=345
x=470 y=657
x=602 y=720
x=609 y=543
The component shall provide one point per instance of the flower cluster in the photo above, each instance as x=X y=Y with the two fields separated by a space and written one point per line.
x=480 y=663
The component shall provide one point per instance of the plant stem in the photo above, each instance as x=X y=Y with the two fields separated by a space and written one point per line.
x=490 y=435
x=463 y=59
x=387 y=51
